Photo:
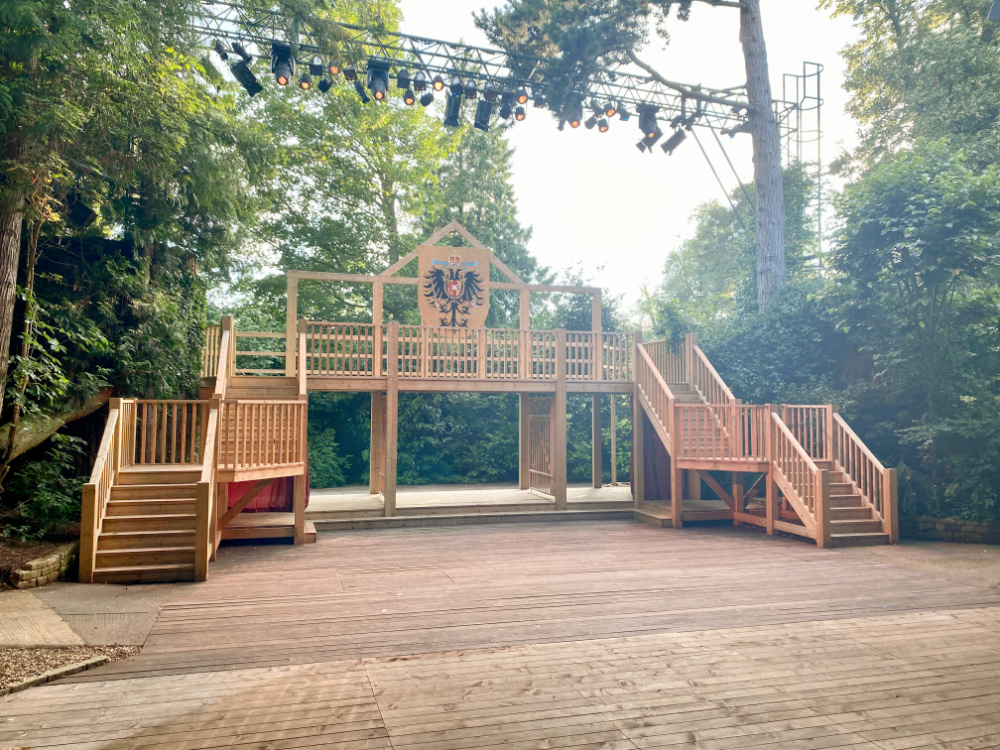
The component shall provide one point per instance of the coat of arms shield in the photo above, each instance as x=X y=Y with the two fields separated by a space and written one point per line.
x=454 y=286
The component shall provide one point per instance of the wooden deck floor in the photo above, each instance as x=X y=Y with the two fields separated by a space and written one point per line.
x=592 y=635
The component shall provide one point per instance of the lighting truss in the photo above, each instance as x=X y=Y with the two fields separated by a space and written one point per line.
x=722 y=109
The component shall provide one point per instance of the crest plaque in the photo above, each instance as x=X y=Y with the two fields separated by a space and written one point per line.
x=454 y=286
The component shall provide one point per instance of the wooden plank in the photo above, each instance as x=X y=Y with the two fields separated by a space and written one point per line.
x=597 y=439
x=291 y=318
x=247 y=498
x=391 y=420
x=559 y=424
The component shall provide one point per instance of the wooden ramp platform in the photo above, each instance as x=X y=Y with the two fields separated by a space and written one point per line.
x=603 y=635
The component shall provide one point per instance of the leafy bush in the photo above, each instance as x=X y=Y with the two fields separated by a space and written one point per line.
x=44 y=496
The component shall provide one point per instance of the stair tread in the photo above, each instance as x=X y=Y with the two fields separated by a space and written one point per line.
x=147 y=532
x=152 y=516
x=144 y=568
x=144 y=550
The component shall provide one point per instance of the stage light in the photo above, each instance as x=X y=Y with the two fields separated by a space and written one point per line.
x=359 y=87
x=452 y=111
x=426 y=99
x=590 y=123
x=305 y=80
x=377 y=73
x=651 y=139
x=505 y=111
x=470 y=90
x=641 y=146
x=539 y=102
x=325 y=84
x=674 y=141
x=623 y=114
x=647 y=121
x=403 y=79
x=484 y=110
x=507 y=98
x=220 y=50
x=438 y=83
x=334 y=69
x=420 y=81
x=602 y=125
x=522 y=96
x=240 y=50
x=490 y=92
x=520 y=114
x=316 y=66
x=409 y=99
x=282 y=63
x=351 y=72
x=575 y=114
x=243 y=74
x=610 y=109
x=456 y=87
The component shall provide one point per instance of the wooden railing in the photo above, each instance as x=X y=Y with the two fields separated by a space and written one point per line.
x=870 y=478
x=341 y=349
x=668 y=359
x=210 y=354
x=728 y=432
x=704 y=378
x=261 y=434
x=206 y=535
x=658 y=396
x=169 y=431
x=811 y=426
x=262 y=361
x=804 y=484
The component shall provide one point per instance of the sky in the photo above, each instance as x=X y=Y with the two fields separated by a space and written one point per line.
x=597 y=205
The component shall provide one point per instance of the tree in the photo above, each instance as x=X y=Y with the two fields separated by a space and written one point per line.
x=578 y=39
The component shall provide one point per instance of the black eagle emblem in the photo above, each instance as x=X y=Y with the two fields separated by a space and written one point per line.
x=454 y=288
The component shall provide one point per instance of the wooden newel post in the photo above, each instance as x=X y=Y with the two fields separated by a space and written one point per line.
x=637 y=469
x=828 y=447
x=890 y=503
x=559 y=424
x=391 y=418
x=303 y=361
x=771 y=489
x=291 y=317
x=823 y=508
x=203 y=523
x=299 y=486
x=523 y=439
x=88 y=534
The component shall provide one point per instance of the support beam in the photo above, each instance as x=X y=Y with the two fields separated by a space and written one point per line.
x=377 y=289
x=299 y=508
x=694 y=485
x=739 y=504
x=597 y=437
x=559 y=424
x=391 y=419
x=523 y=437
x=614 y=442
x=291 y=323
x=637 y=468
x=377 y=450
x=247 y=498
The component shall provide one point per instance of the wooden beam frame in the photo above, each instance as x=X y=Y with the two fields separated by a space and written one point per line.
x=248 y=497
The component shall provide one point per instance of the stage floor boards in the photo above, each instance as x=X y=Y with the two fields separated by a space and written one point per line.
x=590 y=635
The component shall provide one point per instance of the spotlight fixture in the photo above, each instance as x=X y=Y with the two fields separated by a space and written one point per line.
x=240 y=50
x=590 y=123
x=674 y=141
x=403 y=79
x=220 y=50
x=455 y=87
x=484 y=111
x=507 y=98
x=79 y=212
x=641 y=145
x=470 y=90
x=519 y=114
x=334 y=68
x=650 y=140
x=647 y=121
x=316 y=66
x=452 y=111
x=305 y=80
x=602 y=125
x=409 y=99
x=324 y=84
x=242 y=73
x=438 y=83
x=351 y=72
x=282 y=63
x=490 y=92
x=575 y=114
x=539 y=102
x=505 y=111
x=420 y=81
x=623 y=114
x=427 y=98
x=378 y=78
x=610 y=109
x=522 y=96
x=360 y=88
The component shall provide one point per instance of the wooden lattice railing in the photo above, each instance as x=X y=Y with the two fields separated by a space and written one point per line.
x=261 y=434
x=870 y=478
x=804 y=484
x=721 y=432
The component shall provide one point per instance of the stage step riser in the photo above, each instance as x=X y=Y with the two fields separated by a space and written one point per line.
x=149 y=556
x=151 y=507
x=178 y=521
x=153 y=491
x=653 y=519
x=856 y=527
x=850 y=514
x=473 y=519
x=133 y=540
x=152 y=475
x=847 y=501
x=858 y=540
x=145 y=574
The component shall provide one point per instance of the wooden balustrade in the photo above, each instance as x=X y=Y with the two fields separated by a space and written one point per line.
x=668 y=359
x=260 y=434
x=870 y=478
x=169 y=432
x=210 y=354
x=660 y=399
x=206 y=535
x=340 y=349
x=704 y=378
x=811 y=426
x=97 y=490
x=721 y=432
x=274 y=359
x=803 y=483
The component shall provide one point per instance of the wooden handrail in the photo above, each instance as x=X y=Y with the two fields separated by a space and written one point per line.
x=804 y=484
x=854 y=437
x=226 y=363
x=712 y=387
x=669 y=360
x=97 y=491
x=875 y=483
x=658 y=396
x=206 y=497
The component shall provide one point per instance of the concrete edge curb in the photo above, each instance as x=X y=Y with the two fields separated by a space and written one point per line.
x=55 y=674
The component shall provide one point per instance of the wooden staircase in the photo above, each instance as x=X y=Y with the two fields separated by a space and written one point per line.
x=853 y=521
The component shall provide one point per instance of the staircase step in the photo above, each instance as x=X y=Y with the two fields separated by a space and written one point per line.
x=653 y=518
x=146 y=538
x=154 y=507
x=181 y=521
x=846 y=501
x=154 y=491
x=868 y=526
x=160 y=474
x=145 y=556
x=858 y=540
x=145 y=573
x=851 y=514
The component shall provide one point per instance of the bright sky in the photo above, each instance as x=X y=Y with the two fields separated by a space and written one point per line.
x=592 y=199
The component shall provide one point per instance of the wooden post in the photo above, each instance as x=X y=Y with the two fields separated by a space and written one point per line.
x=303 y=363
x=377 y=329
x=638 y=466
x=694 y=485
x=823 y=508
x=299 y=508
x=88 y=534
x=559 y=424
x=377 y=449
x=676 y=494
x=291 y=317
x=596 y=470
x=524 y=310
x=828 y=452
x=221 y=506
x=771 y=488
x=524 y=337
x=738 y=501
x=690 y=342
x=890 y=500
x=523 y=434
x=391 y=419
x=596 y=373
x=202 y=524
x=614 y=442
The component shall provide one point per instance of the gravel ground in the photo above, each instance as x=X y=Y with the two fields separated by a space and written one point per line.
x=18 y=664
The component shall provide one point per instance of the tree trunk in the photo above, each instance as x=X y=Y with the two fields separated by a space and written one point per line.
x=766 y=158
x=10 y=253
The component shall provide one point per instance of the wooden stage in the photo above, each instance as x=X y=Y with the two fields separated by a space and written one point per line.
x=590 y=635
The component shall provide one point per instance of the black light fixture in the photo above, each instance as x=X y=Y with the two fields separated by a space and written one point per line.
x=641 y=145
x=455 y=87
x=351 y=72
x=520 y=114
x=590 y=123
x=602 y=125
x=623 y=114
x=674 y=141
x=427 y=98
x=505 y=111
x=240 y=50
x=647 y=121
x=575 y=114
x=438 y=82
x=305 y=80
x=378 y=78
x=651 y=139
x=316 y=66
x=470 y=89
x=420 y=81
x=490 y=92
x=452 y=111
x=242 y=73
x=610 y=109
x=324 y=84
x=539 y=102
x=221 y=51
x=282 y=63
x=79 y=212
x=522 y=96
x=409 y=99
x=507 y=98
x=334 y=68
x=484 y=111
x=403 y=79
x=360 y=88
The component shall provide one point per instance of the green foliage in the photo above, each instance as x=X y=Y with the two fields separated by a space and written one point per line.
x=48 y=489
